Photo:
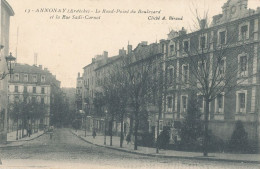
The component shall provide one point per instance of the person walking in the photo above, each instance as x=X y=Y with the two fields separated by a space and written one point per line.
x=94 y=133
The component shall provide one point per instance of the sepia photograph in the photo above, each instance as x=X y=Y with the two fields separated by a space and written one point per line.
x=115 y=84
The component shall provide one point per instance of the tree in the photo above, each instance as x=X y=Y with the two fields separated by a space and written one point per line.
x=207 y=69
x=138 y=65
x=191 y=128
x=239 y=138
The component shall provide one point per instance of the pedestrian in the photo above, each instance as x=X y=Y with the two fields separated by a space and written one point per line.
x=29 y=132
x=94 y=133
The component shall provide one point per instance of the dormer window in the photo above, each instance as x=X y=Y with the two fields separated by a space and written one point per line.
x=16 y=77
x=203 y=41
x=244 y=31
x=25 y=78
x=222 y=36
x=162 y=48
x=172 y=49
x=34 y=78
x=186 y=45
x=42 y=78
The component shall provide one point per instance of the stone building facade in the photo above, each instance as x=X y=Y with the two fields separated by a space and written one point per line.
x=6 y=12
x=35 y=84
x=235 y=31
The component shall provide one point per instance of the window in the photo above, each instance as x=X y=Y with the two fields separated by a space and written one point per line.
x=172 y=48
x=241 y=97
x=43 y=90
x=162 y=48
x=34 y=78
x=161 y=125
x=34 y=89
x=203 y=42
x=222 y=65
x=202 y=68
x=42 y=100
x=243 y=63
x=222 y=37
x=185 y=73
x=170 y=76
x=42 y=78
x=34 y=99
x=25 y=89
x=244 y=32
x=16 y=98
x=15 y=88
x=25 y=78
x=184 y=103
x=16 y=77
x=169 y=102
x=242 y=100
x=200 y=101
x=186 y=46
x=220 y=101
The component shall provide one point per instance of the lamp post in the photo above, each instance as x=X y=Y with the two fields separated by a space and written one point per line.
x=105 y=138
x=9 y=60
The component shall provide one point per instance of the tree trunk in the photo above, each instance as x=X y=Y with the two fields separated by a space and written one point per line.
x=206 y=126
x=22 y=128
x=131 y=124
x=122 y=131
x=17 y=129
x=136 y=131
x=111 y=130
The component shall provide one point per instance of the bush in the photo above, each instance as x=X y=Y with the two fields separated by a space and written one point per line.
x=164 y=138
x=239 y=138
x=191 y=129
x=76 y=124
x=147 y=139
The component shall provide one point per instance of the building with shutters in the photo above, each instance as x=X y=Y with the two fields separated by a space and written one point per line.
x=36 y=85
x=236 y=32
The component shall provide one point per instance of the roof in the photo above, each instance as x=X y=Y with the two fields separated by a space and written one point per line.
x=109 y=61
x=25 y=68
x=9 y=8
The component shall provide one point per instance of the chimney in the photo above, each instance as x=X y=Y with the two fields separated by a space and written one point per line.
x=93 y=60
x=122 y=52
x=182 y=31
x=203 y=23
x=144 y=43
x=129 y=49
x=105 y=54
x=78 y=75
x=40 y=66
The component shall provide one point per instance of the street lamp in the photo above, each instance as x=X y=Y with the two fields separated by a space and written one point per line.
x=9 y=59
x=105 y=140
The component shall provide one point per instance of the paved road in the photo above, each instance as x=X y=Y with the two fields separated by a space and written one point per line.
x=68 y=151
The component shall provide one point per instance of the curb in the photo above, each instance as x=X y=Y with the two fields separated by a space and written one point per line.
x=32 y=138
x=164 y=156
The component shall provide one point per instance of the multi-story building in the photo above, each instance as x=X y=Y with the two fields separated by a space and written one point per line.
x=235 y=32
x=6 y=12
x=79 y=88
x=36 y=85
x=89 y=86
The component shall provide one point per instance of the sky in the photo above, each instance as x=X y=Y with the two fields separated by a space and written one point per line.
x=65 y=46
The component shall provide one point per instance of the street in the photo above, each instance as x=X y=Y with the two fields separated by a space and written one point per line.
x=65 y=150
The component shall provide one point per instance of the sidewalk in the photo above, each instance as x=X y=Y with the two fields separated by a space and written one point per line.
x=12 y=142
x=99 y=141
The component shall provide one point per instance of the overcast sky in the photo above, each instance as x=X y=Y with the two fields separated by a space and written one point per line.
x=65 y=46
